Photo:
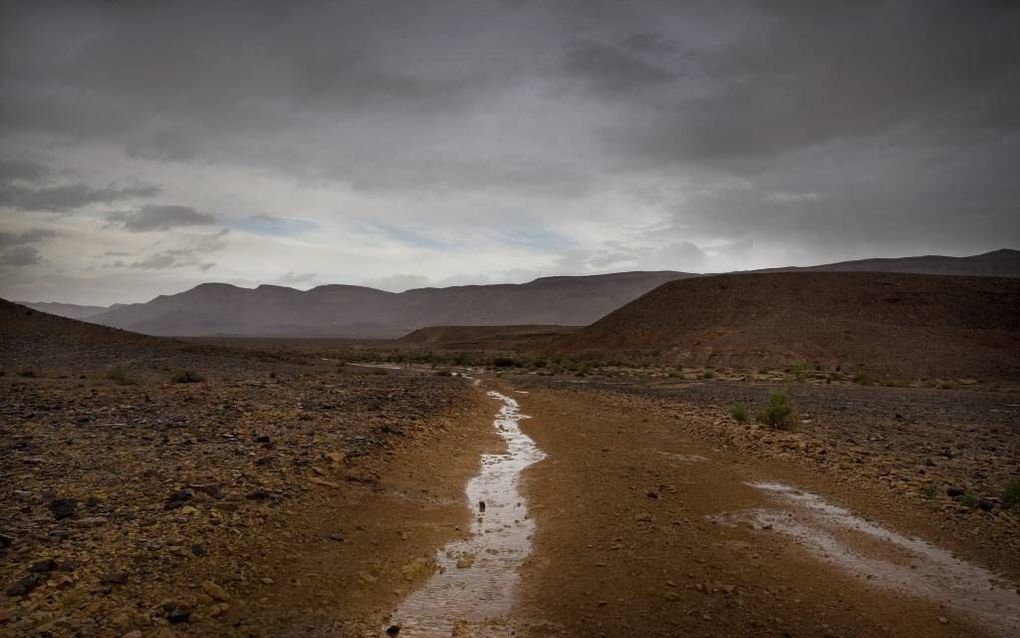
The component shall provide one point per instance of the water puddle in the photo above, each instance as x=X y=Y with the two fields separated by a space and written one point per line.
x=885 y=558
x=475 y=583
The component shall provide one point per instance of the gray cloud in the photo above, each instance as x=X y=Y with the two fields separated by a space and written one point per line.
x=161 y=217
x=812 y=132
x=22 y=170
x=69 y=196
x=20 y=249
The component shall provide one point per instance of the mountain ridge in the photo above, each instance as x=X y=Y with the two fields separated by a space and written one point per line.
x=355 y=311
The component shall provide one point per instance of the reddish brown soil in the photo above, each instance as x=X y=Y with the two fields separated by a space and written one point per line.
x=622 y=563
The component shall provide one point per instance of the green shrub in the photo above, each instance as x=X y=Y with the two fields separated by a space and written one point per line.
x=120 y=376
x=930 y=491
x=739 y=412
x=800 y=371
x=187 y=376
x=780 y=413
x=969 y=500
x=1011 y=496
x=709 y=373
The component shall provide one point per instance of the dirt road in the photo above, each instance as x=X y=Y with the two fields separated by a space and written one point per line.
x=642 y=530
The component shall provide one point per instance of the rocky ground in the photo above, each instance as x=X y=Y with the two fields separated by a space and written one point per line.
x=131 y=504
x=153 y=487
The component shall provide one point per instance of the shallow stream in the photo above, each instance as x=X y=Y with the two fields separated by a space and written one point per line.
x=475 y=583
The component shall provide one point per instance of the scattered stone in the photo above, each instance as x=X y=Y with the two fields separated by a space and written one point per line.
x=25 y=585
x=175 y=615
x=62 y=508
x=393 y=630
x=258 y=495
x=177 y=499
x=955 y=491
x=43 y=566
x=215 y=592
x=114 y=578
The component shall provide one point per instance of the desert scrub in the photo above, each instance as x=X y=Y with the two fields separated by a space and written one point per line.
x=1011 y=496
x=930 y=491
x=969 y=500
x=709 y=373
x=739 y=412
x=799 y=371
x=780 y=413
x=187 y=376
x=120 y=376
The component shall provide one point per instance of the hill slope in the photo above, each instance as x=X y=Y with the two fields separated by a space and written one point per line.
x=484 y=337
x=355 y=311
x=998 y=263
x=895 y=325
x=69 y=310
x=29 y=338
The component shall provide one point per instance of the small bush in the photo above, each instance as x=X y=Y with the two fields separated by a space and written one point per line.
x=443 y=373
x=120 y=376
x=969 y=500
x=1011 y=496
x=503 y=362
x=800 y=371
x=187 y=376
x=27 y=374
x=780 y=413
x=930 y=491
x=708 y=374
x=739 y=412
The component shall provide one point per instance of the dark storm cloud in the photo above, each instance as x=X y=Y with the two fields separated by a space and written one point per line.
x=808 y=74
x=161 y=217
x=849 y=127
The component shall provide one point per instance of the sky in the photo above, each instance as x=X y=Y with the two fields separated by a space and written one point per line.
x=147 y=147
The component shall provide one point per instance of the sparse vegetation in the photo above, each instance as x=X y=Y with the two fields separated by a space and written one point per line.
x=709 y=373
x=1011 y=496
x=739 y=412
x=969 y=500
x=121 y=376
x=780 y=413
x=187 y=376
x=930 y=491
x=799 y=371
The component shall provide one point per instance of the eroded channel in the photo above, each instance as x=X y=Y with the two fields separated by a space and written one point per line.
x=885 y=558
x=474 y=584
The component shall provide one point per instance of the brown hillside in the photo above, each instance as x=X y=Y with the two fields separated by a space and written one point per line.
x=485 y=337
x=893 y=325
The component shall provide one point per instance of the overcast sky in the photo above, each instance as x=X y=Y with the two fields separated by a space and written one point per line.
x=146 y=147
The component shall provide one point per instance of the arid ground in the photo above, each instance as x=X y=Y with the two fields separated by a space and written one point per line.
x=153 y=487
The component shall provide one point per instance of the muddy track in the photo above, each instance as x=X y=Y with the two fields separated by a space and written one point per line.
x=643 y=530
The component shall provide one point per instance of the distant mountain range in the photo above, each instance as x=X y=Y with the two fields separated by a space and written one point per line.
x=360 y=312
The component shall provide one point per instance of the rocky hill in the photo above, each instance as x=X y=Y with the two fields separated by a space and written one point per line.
x=894 y=325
